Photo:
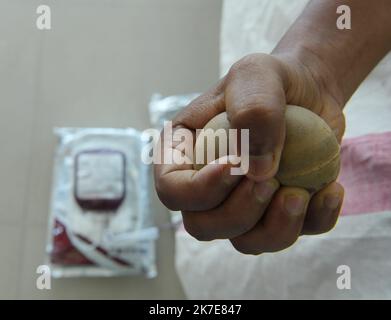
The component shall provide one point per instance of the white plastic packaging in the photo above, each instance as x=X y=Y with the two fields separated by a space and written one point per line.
x=101 y=222
x=165 y=108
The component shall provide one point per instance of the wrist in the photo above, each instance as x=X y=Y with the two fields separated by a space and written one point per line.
x=339 y=59
x=304 y=65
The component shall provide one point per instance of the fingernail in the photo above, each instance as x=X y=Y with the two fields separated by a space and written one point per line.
x=295 y=204
x=332 y=201
x=260 y=166
x=265 y=190
x=234 y=160
x=228 y=177
x=231 y=159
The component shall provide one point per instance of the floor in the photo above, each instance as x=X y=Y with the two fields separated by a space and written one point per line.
x=96 y=67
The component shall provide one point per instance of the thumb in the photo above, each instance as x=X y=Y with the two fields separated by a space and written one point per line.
x=259 y=105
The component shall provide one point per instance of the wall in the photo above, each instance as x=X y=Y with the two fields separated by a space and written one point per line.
x=97 y=66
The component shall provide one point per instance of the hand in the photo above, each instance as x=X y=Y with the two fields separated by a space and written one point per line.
x=254 y=211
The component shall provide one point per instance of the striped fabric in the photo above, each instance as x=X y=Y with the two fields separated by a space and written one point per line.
x=366 y=173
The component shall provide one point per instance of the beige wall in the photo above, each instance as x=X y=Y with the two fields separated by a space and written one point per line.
x=98 y=66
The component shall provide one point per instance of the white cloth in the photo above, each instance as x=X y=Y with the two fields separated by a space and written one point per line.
x=307 y=270
x=250 y=26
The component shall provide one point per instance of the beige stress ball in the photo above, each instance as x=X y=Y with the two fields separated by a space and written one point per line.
x=310 y=158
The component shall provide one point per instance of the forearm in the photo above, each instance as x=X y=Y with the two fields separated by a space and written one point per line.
x=348 y=55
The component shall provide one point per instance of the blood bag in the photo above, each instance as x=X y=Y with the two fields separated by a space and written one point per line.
x=100 y=181
x=100 y=218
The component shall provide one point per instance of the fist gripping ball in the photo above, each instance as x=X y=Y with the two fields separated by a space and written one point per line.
x=310 y=158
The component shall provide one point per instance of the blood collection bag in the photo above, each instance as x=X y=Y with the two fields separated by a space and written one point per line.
x=100 y=182
x=100 y=219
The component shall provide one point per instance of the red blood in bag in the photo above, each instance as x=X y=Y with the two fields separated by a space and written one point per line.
x=63 y=251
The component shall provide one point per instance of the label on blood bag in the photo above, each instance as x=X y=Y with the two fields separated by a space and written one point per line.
x=100 y=179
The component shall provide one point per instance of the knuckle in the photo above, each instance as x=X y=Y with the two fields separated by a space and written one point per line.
x=254 y=62
x=159 y=185
x=169 y=200
x=282 y=243
x=248 y=62
x=195 y=228
x=324 y=227
x=242 y=223
x=275 y=242
x=290 y=241
x=244 y=64
x=244 y=247
x=253 y=109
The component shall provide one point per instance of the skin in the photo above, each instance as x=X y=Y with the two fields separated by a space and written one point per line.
x=316 y=66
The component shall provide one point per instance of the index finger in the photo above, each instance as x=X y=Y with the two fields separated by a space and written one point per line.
x=180 y=187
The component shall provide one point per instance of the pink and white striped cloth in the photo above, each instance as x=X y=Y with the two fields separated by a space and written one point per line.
x=366 y=173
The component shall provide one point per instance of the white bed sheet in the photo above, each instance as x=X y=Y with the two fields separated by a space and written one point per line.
x=307 y=270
